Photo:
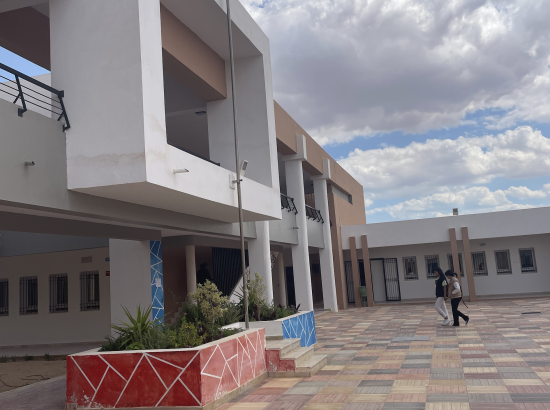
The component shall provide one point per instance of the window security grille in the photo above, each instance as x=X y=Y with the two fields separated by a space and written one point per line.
x=503 y=262
x=4 y=299
x=480 y=264
x=432 y=262
x=527 y=258
x=59 y=293
x=28 y=295
x=89 y=290
x=409 y=264
x=450 y=262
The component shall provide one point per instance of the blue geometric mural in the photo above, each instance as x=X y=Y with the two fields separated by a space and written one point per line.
x=301 y=327
x=157 y=280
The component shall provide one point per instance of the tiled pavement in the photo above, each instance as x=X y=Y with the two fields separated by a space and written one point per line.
x=399 y=357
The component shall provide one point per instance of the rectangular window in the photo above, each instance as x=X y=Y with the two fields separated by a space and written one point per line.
x=89 y=290
x=480 y=264
x=432 y=262
x=409 y=263
x=503 y=262
x=4 y=300
x=527 y=258
x=28 y=295
x=59 y=293
x=450 y=262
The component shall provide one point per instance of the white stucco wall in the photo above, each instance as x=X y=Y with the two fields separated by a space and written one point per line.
x=491 y=285
x=73 y=326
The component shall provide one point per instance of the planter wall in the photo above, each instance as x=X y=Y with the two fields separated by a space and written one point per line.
x=299 y=326
x=165 y=378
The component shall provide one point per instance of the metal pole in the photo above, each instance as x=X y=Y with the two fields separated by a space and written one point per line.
x=237 y=164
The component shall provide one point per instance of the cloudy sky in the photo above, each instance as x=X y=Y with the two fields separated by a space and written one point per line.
x=429 y=104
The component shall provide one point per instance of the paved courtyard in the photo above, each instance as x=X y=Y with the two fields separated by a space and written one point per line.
x=400 y=357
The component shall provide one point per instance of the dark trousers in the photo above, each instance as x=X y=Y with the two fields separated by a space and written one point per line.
x=457 y=313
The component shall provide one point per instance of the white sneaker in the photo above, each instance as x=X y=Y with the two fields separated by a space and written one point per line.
x=446 y=322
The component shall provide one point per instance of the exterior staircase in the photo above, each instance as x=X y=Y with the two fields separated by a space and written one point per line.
x=286 y=358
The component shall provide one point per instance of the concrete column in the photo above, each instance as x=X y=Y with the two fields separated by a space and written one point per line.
x=355 y=271
x=325 y=255
x=259 y=257
x=456 y=260
x=468 y=263
x=368 y=274
x=190 y=268
x=300 y=252
x=131 y=278
x=280 y=267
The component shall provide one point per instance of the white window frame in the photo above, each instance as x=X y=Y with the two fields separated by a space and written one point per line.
x=503 y=271
x=528 y=270
x=415 y=272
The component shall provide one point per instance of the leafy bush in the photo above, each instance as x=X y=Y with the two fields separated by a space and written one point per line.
x=258 y=308
x=199 y=323
x=210 y=302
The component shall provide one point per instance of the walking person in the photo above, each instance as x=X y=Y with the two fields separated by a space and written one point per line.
x=441 y=295
x=455 y=294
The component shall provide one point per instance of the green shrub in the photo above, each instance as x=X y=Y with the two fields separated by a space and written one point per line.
x=185 y=335
x=27 y=358
x=210 y=302
x=3 y=359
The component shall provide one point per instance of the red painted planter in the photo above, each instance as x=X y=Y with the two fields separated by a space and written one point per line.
x=165 y=378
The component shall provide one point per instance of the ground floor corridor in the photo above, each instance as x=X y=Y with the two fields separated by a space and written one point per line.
x=400 y=357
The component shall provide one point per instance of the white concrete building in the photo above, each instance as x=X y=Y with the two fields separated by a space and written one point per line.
x=118 y=168
x=499 y=254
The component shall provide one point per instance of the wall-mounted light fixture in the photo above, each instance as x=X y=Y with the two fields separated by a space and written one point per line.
x=242 y=171
x=201 y=113
x=181 y=171
x=29 y=163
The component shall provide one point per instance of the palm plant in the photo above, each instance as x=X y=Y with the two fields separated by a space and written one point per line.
x=132 y=335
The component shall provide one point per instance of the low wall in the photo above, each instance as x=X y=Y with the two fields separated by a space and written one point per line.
x=165 y=378
x=299 y=326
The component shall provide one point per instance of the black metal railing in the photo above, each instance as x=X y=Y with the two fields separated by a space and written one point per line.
x=314 y=214
x=192 y=153
x=288 y=204
x=26 y=95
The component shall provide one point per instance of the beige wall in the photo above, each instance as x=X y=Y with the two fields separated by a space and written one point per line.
x=73 y=326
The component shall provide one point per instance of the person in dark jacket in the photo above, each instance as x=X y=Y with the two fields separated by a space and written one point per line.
x=455 y=294
x=441 y=295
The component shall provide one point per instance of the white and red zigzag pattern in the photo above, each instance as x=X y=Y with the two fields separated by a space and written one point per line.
x=165 y=378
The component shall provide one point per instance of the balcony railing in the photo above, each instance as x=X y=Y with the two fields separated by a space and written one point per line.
x=314 y=214
x=288 y=204
x=26 y=95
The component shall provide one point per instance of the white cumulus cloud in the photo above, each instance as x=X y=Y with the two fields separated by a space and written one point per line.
x=344 y=68
x=433 y=166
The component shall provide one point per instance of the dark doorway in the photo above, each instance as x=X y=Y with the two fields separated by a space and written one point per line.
x=290 y=293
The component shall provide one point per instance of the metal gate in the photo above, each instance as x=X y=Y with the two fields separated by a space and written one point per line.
x=391 y=276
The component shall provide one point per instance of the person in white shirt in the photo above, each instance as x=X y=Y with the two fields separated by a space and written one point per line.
x=455 y=294
x=441 y=286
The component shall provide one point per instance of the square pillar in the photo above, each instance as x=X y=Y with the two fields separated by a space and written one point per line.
x=259 y=256
x=368 y=274
x=468 y=263
x=355 y=271
x=325 y=254
x=136 y=278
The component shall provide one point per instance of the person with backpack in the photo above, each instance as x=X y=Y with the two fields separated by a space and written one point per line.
x=456 y=296
x=441 y=295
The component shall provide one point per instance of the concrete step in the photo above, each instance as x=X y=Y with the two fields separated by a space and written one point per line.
x=283 y=346
x=300 y=355
x=311 y=366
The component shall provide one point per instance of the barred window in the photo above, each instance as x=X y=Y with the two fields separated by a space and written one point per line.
x=503 y=262
x=28 y=295
x=451 y=266
x=480 y=264
x=409 y=264
x=527 y=258
x=4 y=299
x=432 y=262
x=89 y=290
x=59 y=293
